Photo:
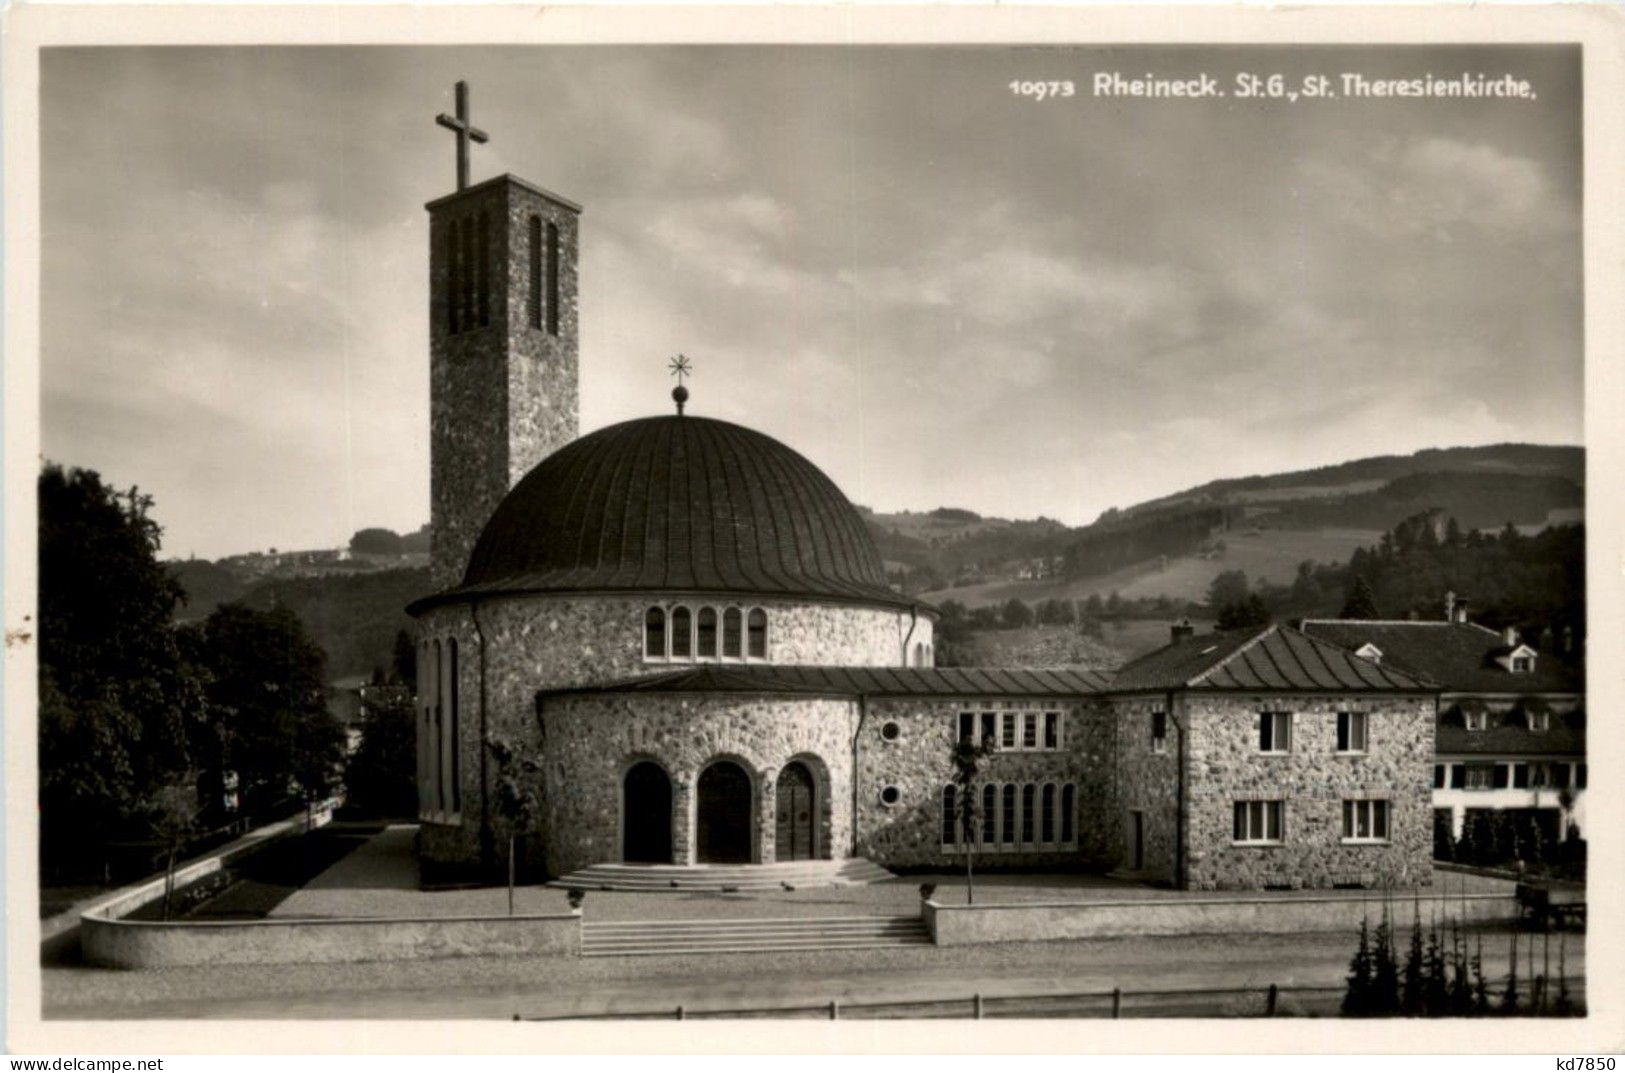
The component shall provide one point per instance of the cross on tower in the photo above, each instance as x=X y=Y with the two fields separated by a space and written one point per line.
x=465 y=132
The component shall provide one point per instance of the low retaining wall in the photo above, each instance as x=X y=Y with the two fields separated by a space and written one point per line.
x=956 y=925
x=60 y=933
x=146 y=944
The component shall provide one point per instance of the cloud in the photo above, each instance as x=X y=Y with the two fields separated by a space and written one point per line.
x=1430 y=185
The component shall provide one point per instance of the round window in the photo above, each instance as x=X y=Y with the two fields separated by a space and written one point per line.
x=890 y=796
x=890 y=731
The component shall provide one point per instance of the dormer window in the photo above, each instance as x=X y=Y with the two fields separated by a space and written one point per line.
x=1476 y=720
x=1369 y=651
x=1517 y=659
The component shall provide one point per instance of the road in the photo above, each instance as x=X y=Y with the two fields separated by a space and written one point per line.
x=533 y=988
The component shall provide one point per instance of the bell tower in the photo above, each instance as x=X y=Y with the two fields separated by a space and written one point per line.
x=504 y=386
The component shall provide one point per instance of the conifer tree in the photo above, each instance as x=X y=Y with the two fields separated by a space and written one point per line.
x=1384 y=971
x=1509 y=998
x=1357 y=999
x=1414 y=1002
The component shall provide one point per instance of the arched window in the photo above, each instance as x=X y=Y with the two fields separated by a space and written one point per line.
x=758 y=633
x=454 y=288
x=482 y=254
x=990 y=815
x=1007 y=817
x=949 y=820
x=1029 y=793
x=1067 y=795
x=552 y=278
x=533 y=296
x=654 y=633
x=706 y=646
x=436 y=739
x=682 y=633
x=452 y=727
x=1048 y=812
x=930 y=655
x=733 y=640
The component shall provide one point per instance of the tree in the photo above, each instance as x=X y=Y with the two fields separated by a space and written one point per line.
x=1229 y=587
x=1016 y=613
x=404 y=661
x=1361 y=602
x=118 y=700
x=376 y=542
x=1243 y=613
x=378 y=777
x=174 y=814
x=969 y=759
x=517 y=775
x=267 y=703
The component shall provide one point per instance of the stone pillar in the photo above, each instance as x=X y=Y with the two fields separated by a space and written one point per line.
x=682 y=818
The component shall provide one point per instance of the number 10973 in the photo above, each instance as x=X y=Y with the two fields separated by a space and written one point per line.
x=1039 y=91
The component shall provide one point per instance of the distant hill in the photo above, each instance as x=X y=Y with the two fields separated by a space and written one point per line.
x=353 y=617
x=1175 y=545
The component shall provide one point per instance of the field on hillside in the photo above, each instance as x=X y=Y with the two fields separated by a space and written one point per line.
x=1268 y=553
x=1062 y=646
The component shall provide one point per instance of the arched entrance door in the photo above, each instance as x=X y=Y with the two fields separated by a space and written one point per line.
x=723 y=813
x=793 y=832
x=647 y=817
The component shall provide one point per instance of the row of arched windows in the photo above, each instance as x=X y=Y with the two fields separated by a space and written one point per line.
x=681 y=633
x=923 y=654
x=439 y=742
x=1014 y=816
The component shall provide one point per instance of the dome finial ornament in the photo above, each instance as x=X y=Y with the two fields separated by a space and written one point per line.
x=680 y=368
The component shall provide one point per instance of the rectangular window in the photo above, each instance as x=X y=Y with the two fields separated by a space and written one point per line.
x=1483 y=776
x=1351 y=732
x=1007 y=816
x=1052 y=730
x=1029 y=730
x=1258 y=821
x=1047 y=811
x=1008 y=741
x=1579 y=776
x=1029 y=794
x=1560 y=776
x=989 y=819
x=1475 y=720
x=1438 y=776
x=990 y=731
x=1520 y=776
x=1159 y=732
x=533 y=297
x=1274 y=732
x=967 y=726
x=1458 y=776
x=1365 y=821
x=552 y=279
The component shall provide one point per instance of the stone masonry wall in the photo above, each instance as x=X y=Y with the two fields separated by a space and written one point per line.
x=918 y=762
x=546 y=642
x=1225 y=765
x=505 y=395
x=1146 y=781
x=592 y=740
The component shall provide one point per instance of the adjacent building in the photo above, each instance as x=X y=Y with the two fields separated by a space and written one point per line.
x=1510 y=719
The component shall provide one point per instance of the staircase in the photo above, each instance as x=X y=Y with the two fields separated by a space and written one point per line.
x=631 y=938
x=848 y=872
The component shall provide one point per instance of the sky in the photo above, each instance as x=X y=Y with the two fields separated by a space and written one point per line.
x=942 y=292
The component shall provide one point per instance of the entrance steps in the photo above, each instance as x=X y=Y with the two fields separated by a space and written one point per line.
x=847 y=872
x=632 y=938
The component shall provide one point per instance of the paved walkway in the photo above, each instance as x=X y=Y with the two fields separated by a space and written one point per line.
x=381 y=879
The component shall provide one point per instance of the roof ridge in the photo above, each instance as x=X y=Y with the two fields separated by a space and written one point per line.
x=1265 y=632
x=1381 y=622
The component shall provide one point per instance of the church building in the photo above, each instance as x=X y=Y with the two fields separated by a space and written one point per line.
x=687 y=627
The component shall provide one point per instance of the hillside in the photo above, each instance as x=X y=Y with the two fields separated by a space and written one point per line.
x=1175 y=545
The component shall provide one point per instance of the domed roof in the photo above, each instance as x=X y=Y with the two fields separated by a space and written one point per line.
x=678 y=503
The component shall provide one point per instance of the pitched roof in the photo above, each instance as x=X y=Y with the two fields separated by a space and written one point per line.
x=1459 y=656
x=1507 y=733
x=1271 y=657
x=866 y=681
